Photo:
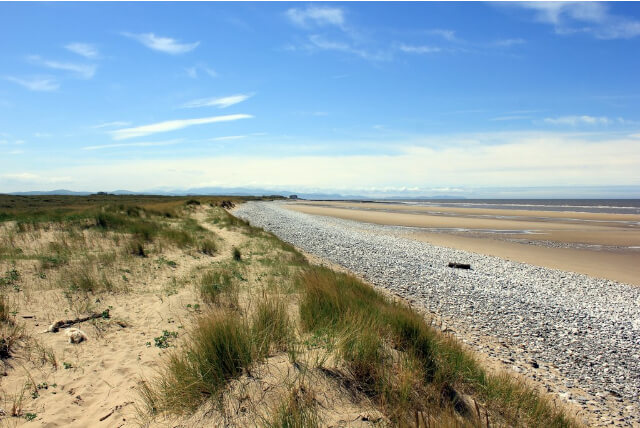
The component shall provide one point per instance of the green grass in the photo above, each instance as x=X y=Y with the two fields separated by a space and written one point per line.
x=215 y=283
x=208 y=247
x=84 y=278
x=271 y=326
x=219 y=348
x=341 y=305
x=298 y=410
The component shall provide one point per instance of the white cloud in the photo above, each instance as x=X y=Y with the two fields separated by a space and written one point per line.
x=21 y=176
x=449 y=35
x=318 y=42
x=45 y=84
x=419 y=49
x=582 y=17
x=172 y=125
x=484 y=160
x=115 y=124
x=84 y=71
x=27 y=177
x=84 y=49
x=220 y=102
x=316 y=15
x=138 y=144
x=229 y=137
x=579 y=120
x=42 y=134
x=192 y=72
x=509 y=42
x=162 y=44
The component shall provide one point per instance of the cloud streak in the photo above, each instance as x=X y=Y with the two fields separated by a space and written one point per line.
x=162 y=44
x=83 y=49
x=172 y=125
x=319 y=42
x=582 y=17
x=316 y=16
x=114 y=124
x=138 y=144
x=40 y=84
x=220 y=102
x=84 y=71
x=582 y=120
x=422 y=49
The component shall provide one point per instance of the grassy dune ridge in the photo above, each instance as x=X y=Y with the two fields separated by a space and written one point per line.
x=270 y=340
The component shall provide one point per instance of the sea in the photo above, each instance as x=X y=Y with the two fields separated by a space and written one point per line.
x=612 y=206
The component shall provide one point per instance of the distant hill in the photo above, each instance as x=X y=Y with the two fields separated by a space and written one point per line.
x=233 y=191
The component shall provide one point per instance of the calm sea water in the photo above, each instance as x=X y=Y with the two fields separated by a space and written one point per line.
x=614 y=206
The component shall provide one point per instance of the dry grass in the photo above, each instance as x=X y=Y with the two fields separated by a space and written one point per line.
x=262 y=302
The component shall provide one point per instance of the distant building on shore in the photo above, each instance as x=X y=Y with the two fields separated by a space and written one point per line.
x=293 y=196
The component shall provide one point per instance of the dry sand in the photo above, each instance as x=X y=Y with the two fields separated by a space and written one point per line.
x=96 y=383
x=595 y=244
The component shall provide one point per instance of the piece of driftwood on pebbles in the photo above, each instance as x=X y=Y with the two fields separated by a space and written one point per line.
x=459 y=265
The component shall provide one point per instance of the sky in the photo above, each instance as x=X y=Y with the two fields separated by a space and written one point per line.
x=359 y=98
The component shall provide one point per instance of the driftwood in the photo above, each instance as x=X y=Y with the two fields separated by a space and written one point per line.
x=56 y=326
x=459 y=265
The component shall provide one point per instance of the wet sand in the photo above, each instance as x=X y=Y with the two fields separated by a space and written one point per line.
x=595 y=244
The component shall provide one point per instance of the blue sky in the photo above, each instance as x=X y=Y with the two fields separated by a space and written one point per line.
x=374 y=98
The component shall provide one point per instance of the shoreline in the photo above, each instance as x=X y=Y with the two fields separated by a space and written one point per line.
x=594 y=244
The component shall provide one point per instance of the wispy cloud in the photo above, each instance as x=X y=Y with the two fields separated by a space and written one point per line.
x=510 y=117
x=449 y=35
x=220 y=102
x=316 y=16
x=45 y=84
x=509 y=42
x=229 y=137
x=138 y=144
x=319 y=42
x=172 y=125
x=21 y=176
x=194 y=71
x=83 y=49
x=114 y=124
x=421 y=49
x=84 y=71
x=162 y=44
x=582 y=120
x=27 y=177
x=582 y=17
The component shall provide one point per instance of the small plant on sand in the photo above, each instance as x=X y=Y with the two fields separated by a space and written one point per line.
x=163 y=341
x=10 y=278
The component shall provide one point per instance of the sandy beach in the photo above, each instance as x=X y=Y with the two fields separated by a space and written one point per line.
x=601 y=245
